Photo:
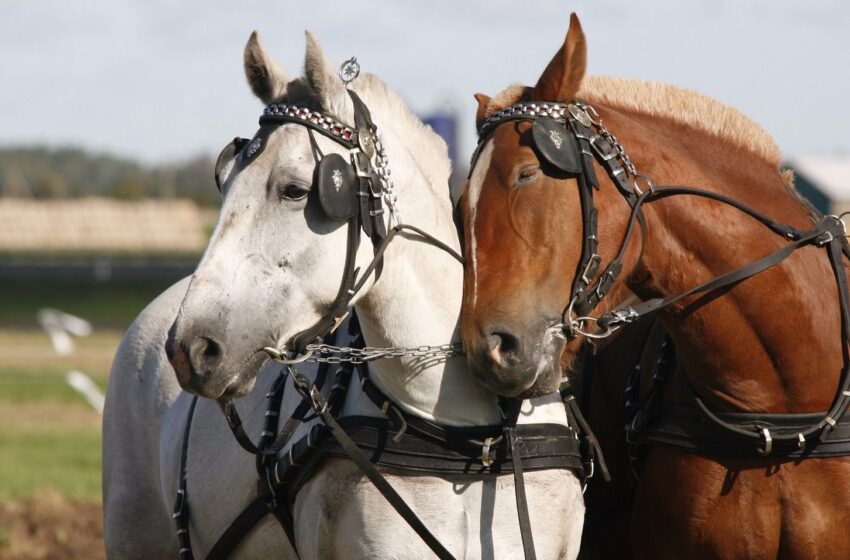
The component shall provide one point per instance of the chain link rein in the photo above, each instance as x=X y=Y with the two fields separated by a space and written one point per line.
x=329 y=354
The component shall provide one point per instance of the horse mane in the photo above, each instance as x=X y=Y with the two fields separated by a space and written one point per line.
x=425 y=146
x=680 y=105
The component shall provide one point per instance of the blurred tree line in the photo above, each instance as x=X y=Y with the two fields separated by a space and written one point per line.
x=41 y=172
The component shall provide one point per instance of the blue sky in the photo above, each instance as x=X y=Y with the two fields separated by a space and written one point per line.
x=161 y=80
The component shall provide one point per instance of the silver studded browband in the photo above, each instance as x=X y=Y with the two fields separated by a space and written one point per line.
x=294 y=113
x=282 y=112
x=522 y=111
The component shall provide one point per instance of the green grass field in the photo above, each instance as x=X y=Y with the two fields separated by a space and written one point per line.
x=49 y=436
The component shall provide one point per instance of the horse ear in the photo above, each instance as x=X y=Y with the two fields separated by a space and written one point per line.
x=481 y=114
x=325 y=81
x=562 y=78
x=267 y=79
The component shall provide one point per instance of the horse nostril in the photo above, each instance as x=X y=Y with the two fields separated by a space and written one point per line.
x=503 y=347
x=204 y=353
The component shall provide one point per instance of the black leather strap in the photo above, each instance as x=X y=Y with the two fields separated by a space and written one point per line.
x=241 y=526
x=515 y=445
x=383 y=486
x=181 y=501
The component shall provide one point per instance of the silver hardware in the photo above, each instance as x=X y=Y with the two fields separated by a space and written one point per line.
x=801 y=441
x=277 y=356
x=253 y=147
x=593 y=261
x=845 y=393
x=768 y=442
x=327 y=353
x=625 y=315
x=486 y=459
x=830 y=420
x=605 y=155
x=647 y=183
x=588 y=477
x=366 y=142
x=575 y=326
x=580 y=115
x=349 y=70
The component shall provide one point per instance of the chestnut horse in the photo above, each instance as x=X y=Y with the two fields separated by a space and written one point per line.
x=772 y=343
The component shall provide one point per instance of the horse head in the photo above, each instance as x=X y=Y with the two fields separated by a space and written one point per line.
x=280 y=250
x=517 y=246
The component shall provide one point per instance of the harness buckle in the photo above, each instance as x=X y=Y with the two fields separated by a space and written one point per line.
x=768 y=442
x=318 y=402
x=827 y=236
x=486 y=458
x=590 y=268
x=606 y=154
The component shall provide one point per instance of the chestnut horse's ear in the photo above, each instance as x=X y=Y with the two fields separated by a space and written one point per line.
x=562 y=78
x=481 y=114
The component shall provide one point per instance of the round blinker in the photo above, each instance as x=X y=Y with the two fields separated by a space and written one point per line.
x=556 y=145
x=337 y=183
x=227 y=154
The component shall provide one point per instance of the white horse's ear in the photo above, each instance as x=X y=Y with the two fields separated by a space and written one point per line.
x=325 y=81
x=267 y=79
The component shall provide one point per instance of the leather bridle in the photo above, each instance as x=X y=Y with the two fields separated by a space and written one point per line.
x=593 y=142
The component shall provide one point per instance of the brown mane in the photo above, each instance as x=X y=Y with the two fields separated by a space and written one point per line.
x=657 y=99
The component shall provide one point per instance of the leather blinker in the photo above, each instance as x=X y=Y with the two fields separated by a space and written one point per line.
x=556 y=145
x=228 y=153
x=337 y=183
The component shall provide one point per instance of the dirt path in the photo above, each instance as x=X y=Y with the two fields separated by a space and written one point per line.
x=51 y=527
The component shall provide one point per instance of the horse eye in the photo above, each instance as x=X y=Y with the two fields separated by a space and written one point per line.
x=527 y=175
x=292 y=191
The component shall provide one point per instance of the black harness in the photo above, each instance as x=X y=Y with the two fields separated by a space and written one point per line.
x=399 y=441
x=570 y=137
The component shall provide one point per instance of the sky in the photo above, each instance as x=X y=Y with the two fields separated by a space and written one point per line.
x=162 y=80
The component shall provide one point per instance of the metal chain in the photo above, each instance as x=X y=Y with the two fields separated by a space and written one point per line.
x=596 y=121
x=327 y=353
x=382 y=168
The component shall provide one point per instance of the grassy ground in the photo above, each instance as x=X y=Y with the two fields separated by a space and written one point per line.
x=49 y=436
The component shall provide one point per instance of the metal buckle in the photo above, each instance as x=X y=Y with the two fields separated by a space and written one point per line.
x=592 y=262
x=768 y=442
x=486 y=458
x=611 y=154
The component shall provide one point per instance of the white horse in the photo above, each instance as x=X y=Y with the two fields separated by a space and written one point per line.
x=272 y=267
